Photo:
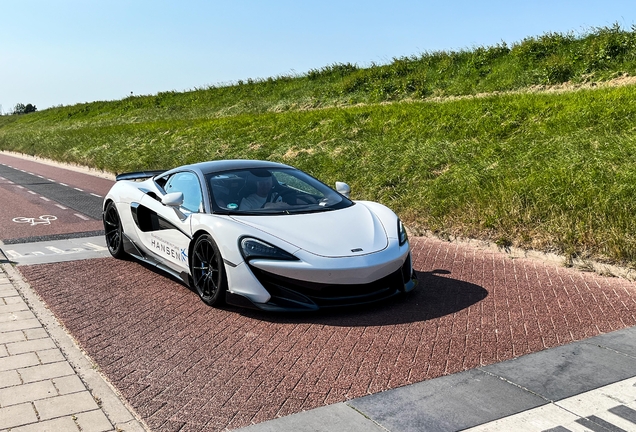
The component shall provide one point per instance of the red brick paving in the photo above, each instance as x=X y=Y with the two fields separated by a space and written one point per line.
x=185 y=366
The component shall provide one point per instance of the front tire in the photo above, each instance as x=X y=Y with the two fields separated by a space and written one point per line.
x=208 y=271
x=113 y=231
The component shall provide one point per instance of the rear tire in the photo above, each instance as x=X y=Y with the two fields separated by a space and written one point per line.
x=113 y=231
x=208 y=271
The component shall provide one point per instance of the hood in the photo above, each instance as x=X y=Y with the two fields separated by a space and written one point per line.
x=351 y=231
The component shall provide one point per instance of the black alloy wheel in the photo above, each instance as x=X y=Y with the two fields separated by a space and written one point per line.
x=113 y=231
x=208 y=272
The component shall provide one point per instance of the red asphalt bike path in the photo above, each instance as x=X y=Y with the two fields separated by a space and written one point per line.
x=75 y=179
x=185 y=366
x=27 y=214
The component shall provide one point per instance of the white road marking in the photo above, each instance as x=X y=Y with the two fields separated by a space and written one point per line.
x=32 y=193
x=63 y=184
x=21 y=187
x=51 y=180
x=42 y=220
x=39 y=176
x=58 y=250
x=78 y=189
x=95 y=195
x=81 y=216
x=10 y=182
x=95 y=247
x=45 y=198
x=60 y=206
x=2 y=178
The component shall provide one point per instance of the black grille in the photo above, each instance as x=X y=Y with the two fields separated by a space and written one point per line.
x=327 y=295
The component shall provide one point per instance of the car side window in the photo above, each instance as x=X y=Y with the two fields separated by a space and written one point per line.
x=188 y=184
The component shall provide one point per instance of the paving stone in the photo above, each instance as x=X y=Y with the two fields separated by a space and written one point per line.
x=93 y=421
x=3 y=351
x=17 y=415
x=12 y=336
x=26 y=393
x=65 y=405
x=69 y=384
x=29 y=346
x=18 y=361
x=42 y=372
x=10 y=294
x=50 y=356
x=9 y=378
x=16 y=316
x=12 y=300
x=19 y=325
x=13 y=307
x=63 y=424
x=36 y=333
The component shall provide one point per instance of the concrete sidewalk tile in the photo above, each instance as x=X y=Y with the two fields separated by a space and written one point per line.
x=17 y=415
x=9 y=293
x=27 y=393
x=337 y=417
x=13 y=336
x=35 y=333
x=64 y=424
x=48 y=371
x=9 y=378
x=69 y=384
x=13 y=307
x=50 y=356
x=19 y=325
x=12 y=299
x=93 y=421
x=16 y=316
x=18 y=361
x=29 y=346
x=65 y=405
x=3 y=351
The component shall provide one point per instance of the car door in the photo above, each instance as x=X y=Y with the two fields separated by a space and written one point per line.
x=166 y=230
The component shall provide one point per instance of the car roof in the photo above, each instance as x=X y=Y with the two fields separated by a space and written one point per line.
x=230 y=164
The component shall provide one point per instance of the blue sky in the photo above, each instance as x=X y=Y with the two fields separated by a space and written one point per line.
x=62 y=52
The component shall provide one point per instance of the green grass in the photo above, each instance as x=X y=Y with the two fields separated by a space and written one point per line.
x=538 y=170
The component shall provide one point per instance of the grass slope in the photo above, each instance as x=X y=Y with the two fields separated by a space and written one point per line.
x=537 y=170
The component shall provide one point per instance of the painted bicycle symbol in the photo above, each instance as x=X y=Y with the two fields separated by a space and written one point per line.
x=42 y=220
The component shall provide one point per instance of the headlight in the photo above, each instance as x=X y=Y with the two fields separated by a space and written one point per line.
x=252 y=248
x=402 y=233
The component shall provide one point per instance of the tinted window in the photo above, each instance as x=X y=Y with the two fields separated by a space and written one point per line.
x=188 y=184
x=272 y=191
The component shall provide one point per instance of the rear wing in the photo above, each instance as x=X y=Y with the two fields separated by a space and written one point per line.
x=139 y=175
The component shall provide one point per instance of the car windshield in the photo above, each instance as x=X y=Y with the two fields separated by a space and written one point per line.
x=271 y=191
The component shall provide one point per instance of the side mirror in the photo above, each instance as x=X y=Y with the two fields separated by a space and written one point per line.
x=174 y=199
x=343 y=189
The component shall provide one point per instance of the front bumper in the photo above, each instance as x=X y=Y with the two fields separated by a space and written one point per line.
x=289 y=294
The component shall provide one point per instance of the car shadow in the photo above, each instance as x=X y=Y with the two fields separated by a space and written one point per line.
x=435 y=296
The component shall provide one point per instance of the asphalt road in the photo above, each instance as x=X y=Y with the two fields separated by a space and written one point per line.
x=185 y=366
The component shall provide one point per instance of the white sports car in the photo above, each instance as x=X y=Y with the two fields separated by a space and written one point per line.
x=259 y=234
